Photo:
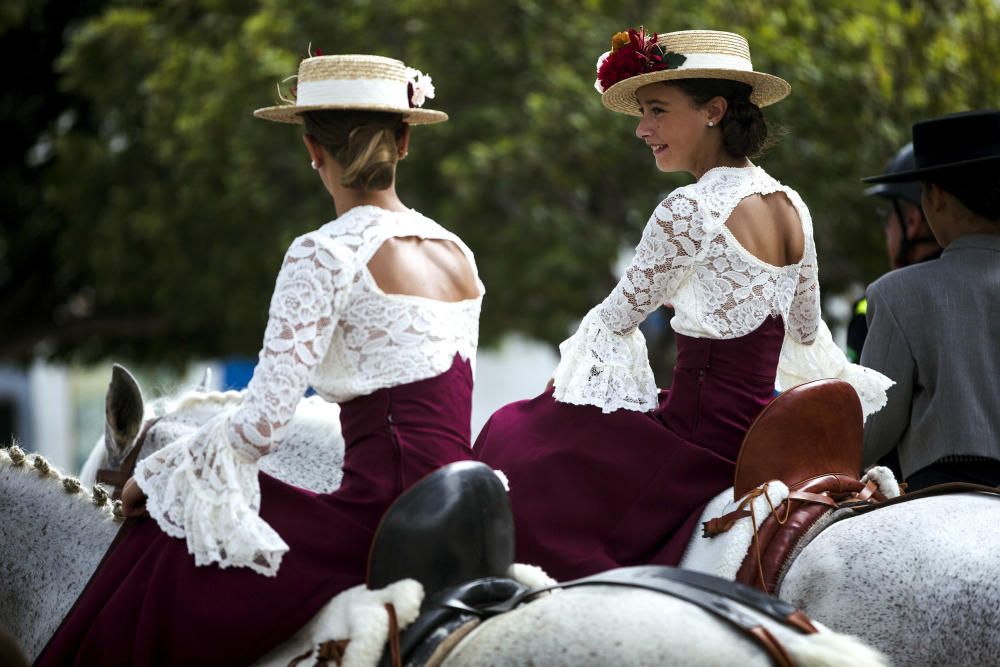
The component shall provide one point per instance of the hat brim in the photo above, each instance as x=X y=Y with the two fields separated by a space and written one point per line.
x=291 y=113
x=767 y=88
x=925 y=172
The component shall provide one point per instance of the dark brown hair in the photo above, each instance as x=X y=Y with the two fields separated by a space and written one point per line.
x=364 y=143
x=976 y=186
x=744 y=130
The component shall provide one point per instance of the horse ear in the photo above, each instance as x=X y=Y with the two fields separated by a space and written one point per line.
x=123 y=411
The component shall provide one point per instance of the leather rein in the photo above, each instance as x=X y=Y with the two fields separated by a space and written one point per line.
x=116 y=478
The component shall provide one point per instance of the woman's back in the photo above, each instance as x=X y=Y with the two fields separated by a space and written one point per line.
x=769 y=227
x=429 y=268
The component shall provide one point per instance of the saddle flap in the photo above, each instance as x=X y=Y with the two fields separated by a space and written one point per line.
x=453 y=526
x=811 y=429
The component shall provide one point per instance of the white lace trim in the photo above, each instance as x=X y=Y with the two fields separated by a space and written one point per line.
x=824 y=359
x=604 y=369
x=199 y=489
x=331 y=328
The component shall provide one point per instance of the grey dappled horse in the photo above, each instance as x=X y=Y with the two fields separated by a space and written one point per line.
x=919 y=581
x=56 y=530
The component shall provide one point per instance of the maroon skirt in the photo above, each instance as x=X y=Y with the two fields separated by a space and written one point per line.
x=594 y=491
x=148 y=604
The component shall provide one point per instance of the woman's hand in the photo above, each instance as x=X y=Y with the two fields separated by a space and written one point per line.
x=133 y=500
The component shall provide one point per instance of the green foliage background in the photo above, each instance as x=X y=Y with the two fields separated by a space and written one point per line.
x=145 y=212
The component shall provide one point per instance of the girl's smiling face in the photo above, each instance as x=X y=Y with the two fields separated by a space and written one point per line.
x=672 y=126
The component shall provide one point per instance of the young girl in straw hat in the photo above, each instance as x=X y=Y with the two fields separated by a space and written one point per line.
x=377 y=310
x=605 y=470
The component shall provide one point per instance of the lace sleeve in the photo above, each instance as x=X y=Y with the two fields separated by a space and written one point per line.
x=605 y=362
x=204 y=487
x=804 y=314
x=809 y=352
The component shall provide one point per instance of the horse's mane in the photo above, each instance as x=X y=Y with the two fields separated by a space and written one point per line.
x=194 y=398
x=16 y=459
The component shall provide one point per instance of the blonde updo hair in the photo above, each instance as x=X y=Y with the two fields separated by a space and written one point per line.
x=364 y=143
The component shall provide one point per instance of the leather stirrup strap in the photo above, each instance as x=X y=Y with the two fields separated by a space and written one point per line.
x=299 y=658
x=808 y=497
x=772 y=645
x=397 y=658
x=117 y=478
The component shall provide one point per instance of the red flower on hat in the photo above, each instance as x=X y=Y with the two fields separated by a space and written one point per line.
x=632 y=53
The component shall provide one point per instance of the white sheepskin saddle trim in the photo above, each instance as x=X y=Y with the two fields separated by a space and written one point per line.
x=531 y=576
x=723 y=554
x=883 y=477
x=358 y=615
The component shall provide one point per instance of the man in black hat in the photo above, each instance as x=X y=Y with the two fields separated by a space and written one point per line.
x=908 y=237
x=943 y=414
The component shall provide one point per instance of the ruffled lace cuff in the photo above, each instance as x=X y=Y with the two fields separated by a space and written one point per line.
x=824 y=359
x=606 y=370
x=200 y=489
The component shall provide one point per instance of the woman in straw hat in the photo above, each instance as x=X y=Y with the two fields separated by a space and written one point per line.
x=377 y=310
x=604 y=469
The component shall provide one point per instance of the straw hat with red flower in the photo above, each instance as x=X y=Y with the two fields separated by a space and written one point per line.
x=638 y=58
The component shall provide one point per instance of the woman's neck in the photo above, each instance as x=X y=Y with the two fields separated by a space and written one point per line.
x=721 y=159
x=344 y=199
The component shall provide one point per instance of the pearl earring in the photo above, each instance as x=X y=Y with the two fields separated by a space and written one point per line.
x=711 y=123
x=314 y=165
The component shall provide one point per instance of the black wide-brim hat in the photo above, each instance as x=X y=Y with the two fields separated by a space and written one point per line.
x=945 y=143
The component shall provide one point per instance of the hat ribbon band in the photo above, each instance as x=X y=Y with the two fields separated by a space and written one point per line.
x=375 y=92
x=715 y=61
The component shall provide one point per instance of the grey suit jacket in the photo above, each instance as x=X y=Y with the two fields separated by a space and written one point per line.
x=934 y=328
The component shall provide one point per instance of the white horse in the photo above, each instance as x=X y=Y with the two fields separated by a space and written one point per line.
x=918 y=581
x=55 y=531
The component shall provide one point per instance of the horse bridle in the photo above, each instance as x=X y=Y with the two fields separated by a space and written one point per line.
x=117 y=478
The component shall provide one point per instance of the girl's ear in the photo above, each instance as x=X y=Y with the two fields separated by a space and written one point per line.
x=315 y=150
x=403 y=143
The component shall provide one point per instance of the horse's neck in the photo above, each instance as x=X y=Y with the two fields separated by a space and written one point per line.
x=52 y=541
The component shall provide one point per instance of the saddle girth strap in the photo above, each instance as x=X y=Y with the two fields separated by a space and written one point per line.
x=936 y=490
x=713 y=595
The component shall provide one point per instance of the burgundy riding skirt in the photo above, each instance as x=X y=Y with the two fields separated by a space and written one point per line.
x=594 y=491
x=148 y=604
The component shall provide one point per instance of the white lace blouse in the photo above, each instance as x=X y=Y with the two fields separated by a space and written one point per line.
x=687 y=257
x=330 y=327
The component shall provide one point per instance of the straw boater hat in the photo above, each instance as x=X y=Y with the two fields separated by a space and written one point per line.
x=645 y=58
x=362 y=82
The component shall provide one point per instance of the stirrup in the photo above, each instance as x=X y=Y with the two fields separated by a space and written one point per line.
x=453 y=526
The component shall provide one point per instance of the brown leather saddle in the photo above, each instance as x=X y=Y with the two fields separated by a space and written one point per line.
x=810 y=438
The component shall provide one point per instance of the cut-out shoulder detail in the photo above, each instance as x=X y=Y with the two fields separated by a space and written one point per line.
x=427 y=268
x=769 y=228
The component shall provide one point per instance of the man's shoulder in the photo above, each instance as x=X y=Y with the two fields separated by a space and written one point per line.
x=909 y=279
